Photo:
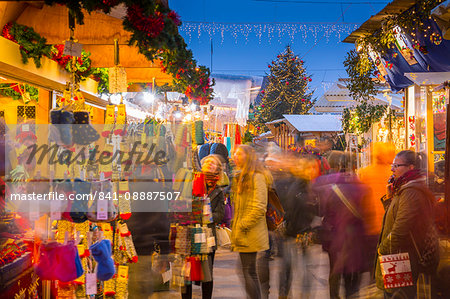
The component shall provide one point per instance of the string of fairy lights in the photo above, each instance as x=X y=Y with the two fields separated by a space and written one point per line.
x=267 y=32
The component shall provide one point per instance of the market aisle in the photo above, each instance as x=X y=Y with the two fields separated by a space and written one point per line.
x=227 y=282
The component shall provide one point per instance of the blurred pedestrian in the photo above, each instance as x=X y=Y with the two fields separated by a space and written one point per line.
x=375 y=177
x=292 y=185
x=249 y=233
x=340 y=197
x=408 y=221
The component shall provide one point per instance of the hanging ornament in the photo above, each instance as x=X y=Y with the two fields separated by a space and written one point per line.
x=303 y=100
x=389 y=65
x=269 y=66
x=436 y=39
x=287 y=83
x=309 y=79
x=262 y=105
x=263 y=91
x=394 y=55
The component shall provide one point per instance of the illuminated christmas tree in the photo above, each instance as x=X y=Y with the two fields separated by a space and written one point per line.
x=287 y=91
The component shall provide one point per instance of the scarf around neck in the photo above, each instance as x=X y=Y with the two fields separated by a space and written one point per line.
x=408 y=176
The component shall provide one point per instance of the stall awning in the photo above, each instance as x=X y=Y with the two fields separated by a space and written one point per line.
x=441 y=15
x=428 y=78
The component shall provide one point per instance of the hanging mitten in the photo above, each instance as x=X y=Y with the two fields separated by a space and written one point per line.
x=121 y=120
x=109 y=120
x=79 y=209
x=66 y=121
x=101 y=251
x=83 y=132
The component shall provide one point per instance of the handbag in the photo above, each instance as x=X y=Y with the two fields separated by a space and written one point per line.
x=223 y=237
x=396 y=270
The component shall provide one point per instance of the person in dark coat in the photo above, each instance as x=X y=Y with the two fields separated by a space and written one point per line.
x=292 y=187
x=340 y=197
x=408 y=220
x=212 y=168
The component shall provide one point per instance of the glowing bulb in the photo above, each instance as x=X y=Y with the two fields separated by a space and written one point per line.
x=178 y=115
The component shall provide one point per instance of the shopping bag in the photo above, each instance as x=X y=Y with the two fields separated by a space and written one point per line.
x=223 y=238
x=396 y=270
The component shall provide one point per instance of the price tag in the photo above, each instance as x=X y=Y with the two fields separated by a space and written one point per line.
x=73 y=49
x=123 y=186
x=122 y=273
x=203 y=237
x=25 y=128
x=197 y=238
x=206 y=209
x=91 y=283
x=102 y=209
x=211 y=242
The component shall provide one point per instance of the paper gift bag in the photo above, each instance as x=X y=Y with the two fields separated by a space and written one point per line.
x=396 y=270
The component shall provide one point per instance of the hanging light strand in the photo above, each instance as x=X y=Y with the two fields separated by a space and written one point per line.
x=303 y=32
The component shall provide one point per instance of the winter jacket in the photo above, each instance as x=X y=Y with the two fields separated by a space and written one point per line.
x=295 y=199
x=249 y=228
x=217 y=207
x=409 y=211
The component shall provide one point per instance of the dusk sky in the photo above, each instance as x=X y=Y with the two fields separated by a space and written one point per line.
x=314 y=29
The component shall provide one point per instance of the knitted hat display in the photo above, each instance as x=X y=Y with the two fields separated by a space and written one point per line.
x=204 y=150
x=83 y=132
x=79 y=209
x=109 y=120
x=221 y=150
x=101 y=251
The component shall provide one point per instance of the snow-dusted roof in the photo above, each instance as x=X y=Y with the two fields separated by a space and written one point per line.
x=315 y=123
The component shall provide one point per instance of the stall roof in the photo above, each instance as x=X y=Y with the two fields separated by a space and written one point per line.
x=315 y=123
x=427 y=78
x=375 y=22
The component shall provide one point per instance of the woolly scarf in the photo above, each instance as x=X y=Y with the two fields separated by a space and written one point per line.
x=410 y=175
x=211 y=179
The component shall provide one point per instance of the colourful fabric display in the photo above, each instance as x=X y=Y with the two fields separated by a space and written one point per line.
x=182 y=241
x=196 y=241
x=228 y=144
x=198 y=133
x=199 y=185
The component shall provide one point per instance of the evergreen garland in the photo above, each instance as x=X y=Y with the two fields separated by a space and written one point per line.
x=16 y=91
x=32 y=45
x=154 y=30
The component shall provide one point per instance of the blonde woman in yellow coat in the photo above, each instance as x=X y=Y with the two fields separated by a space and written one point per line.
x=249 y=233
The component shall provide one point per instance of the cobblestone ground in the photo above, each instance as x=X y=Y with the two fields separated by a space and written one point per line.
x=228 y=282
